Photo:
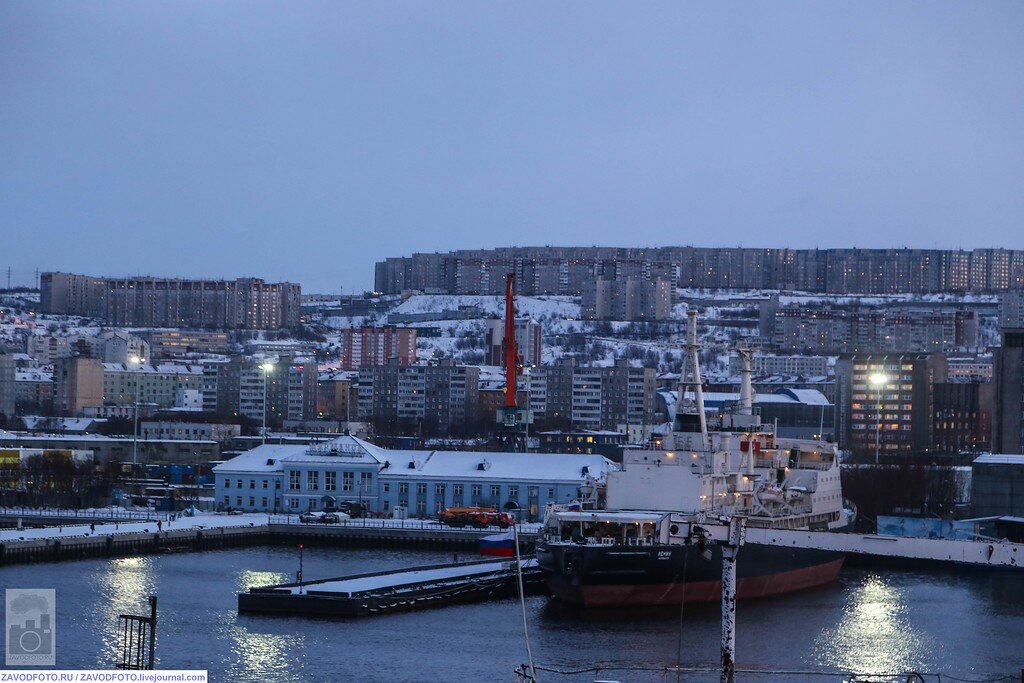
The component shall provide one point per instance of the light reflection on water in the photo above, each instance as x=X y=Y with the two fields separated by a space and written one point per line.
x=123 y=589
x=875 y=633
x=871 y=621
x=249 y=578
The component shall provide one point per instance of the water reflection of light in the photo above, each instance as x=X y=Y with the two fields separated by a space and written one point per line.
x=271 y=656
x=124 y=588
x=248 y=578
x=875 y=634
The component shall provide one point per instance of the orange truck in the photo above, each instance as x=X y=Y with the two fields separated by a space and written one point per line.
x=479 y=518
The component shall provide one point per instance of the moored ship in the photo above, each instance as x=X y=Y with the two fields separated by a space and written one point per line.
x=721 y=465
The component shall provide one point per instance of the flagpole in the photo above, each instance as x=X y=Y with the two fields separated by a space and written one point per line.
x=522 y=603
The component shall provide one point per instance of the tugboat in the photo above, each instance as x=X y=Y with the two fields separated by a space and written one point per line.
x=724 y=465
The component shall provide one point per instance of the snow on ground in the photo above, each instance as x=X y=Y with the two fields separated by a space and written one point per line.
x=342 y=322
x=533 y=306
x=210 y=520
x=200 y=521
x=421 y=576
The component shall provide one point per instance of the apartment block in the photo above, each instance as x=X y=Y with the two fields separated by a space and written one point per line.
x=1008 y=375
x=175 y=343
x=439 y=394
x=245 y=303
x=631 y=299
x=8 y=384
x=800 y=329
x=528 y=340
x=176 y=431
x=593 y=397
x=337 y=395
x=773 y=364
x=962 y=416
x=569 y=270
x=885 y=403
x=376 y=346
x=77 y=384
x=160 y=385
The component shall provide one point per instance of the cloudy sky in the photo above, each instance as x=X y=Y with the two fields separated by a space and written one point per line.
x=305 y=140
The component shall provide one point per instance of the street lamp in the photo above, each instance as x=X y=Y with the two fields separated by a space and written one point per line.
x=267 y=368
x=878 y=380
x=137 y=361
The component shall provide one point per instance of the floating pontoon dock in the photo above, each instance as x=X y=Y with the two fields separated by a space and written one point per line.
x=393 y=591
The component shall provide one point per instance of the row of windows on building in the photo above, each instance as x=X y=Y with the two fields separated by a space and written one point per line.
x=330 y=480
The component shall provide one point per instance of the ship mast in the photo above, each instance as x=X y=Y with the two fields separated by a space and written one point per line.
x=746 y=355
x=690 y=417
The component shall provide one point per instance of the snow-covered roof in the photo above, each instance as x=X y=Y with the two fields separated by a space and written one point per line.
x=999 y=459
x=32 y=375
x=543 y=467
x=811 y=397
x=263 y=458
x=164 y=368
x=67 y=424
x=330 y=375
x=268 y=457
x=497 y=466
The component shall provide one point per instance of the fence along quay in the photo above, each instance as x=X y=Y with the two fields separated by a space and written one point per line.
x=113 y=538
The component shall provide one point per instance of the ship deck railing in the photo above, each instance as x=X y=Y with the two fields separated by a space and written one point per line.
x=593 y=540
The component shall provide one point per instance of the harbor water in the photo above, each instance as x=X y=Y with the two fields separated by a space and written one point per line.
x=968 y=624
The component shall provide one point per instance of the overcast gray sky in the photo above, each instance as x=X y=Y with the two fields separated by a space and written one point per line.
x=305 y=140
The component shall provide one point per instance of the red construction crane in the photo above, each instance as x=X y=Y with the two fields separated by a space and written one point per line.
x=514 y=422
x=512 y=361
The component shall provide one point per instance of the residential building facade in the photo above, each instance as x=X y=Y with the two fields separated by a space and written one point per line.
x=567 y=270
x=1008 y=375
x=376 y=346
x=245 y=303
x=885 y=402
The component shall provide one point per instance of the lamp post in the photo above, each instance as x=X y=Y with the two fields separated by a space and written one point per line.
x=137 y=361
x=878 y=380
x=267 y=368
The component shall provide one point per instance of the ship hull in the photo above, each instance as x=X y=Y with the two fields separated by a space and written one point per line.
x=619 y=576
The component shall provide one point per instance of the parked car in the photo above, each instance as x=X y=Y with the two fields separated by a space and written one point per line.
x=322 y=517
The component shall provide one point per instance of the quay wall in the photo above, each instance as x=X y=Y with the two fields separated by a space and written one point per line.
x=119 y=544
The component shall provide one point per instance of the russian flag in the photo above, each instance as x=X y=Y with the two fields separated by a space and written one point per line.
x=500 y=545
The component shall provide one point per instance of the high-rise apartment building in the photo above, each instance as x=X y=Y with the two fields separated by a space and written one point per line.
x=1008 y=375
x=800 y=329
x=8 y=386
x=885 y=402
x=962 y=416
x=568 y=270
x=773 y=364
x=437 y=395
x=592 y=397
x=631 y=299
x=363 y=346
x=171 y=343
x=528 y=341
x=77 y=384
x=159 y=385
x=245 y=303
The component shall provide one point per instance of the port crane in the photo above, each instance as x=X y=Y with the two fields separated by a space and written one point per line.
x=513 y=421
